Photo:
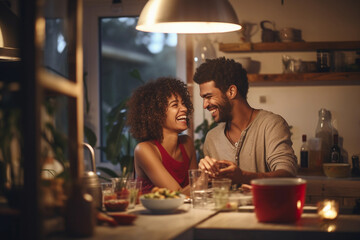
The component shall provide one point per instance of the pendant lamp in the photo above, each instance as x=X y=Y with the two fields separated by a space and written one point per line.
x=188 y=16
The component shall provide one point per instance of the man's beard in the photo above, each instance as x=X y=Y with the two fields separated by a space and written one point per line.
x=224 y=108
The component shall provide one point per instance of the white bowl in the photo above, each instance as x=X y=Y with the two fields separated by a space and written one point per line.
x=162 y=205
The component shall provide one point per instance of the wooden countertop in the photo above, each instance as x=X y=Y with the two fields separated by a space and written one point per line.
x=233 y=225
x=189 y=223
x=152 y=226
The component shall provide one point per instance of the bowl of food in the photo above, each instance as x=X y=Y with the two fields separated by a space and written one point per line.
x=116 y=205
x=337 y=170
x=278 y=199
x=162 y=200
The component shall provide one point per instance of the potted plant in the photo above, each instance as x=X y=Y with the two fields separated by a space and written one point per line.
x=202 y=129
x=11 y=161
x=119 y=148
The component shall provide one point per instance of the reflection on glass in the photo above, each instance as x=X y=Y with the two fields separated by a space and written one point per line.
x=56 y=42
x=56 y=47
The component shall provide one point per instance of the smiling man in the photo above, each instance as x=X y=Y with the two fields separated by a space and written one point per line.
x=248 y=143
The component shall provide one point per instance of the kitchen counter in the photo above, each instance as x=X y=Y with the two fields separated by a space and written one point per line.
x=189 y=223
x=235 y=225
x=153 y=226
x=345 y=190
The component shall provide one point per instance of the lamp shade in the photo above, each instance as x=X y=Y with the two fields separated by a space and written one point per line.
x=188 y=16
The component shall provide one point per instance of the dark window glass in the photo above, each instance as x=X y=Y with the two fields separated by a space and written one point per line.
x=124 y=50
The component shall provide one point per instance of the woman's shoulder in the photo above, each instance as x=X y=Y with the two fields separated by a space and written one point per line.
x=147 y=147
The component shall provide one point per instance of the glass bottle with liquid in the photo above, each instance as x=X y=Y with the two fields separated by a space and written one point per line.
x=355 y=171
x=335 y=152
x=304 y=153
x=325 y=131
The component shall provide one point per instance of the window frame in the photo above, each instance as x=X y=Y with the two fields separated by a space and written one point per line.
x=93 y=11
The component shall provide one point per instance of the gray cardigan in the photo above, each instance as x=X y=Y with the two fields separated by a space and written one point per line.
x=265 y=145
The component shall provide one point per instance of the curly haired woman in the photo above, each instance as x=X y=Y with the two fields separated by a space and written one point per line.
x=158 y=112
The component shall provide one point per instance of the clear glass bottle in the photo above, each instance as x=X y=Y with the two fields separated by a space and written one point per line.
x=325 y=131
x=304 y=153
x=335 y=152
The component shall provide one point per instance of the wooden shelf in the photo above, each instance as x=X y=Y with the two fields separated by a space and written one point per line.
x=303 y=78
x=9 y=54
x=288 y=46
x=338 y=77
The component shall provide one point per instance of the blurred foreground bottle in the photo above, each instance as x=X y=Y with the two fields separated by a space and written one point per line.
x=325 y=131
x=304 y=153
x=80 y=212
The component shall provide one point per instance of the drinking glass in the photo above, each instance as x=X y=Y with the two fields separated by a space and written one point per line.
x=221 y=189
x=107 y=192
x=134 y=188
x=121 y=202
x=198 y=180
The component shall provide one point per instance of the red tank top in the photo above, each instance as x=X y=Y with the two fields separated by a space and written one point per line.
x=178 y=170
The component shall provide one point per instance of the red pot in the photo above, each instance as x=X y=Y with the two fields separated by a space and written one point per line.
x=278 y=199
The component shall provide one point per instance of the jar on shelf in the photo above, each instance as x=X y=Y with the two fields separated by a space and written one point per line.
x=323 y=60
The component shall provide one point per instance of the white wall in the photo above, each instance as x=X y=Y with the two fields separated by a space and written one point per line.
x=319 y=20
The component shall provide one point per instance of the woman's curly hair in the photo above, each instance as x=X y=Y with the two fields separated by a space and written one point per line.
x=224 y=72
x=148 y=104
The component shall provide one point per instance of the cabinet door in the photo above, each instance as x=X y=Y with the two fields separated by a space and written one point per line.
x=51 y=51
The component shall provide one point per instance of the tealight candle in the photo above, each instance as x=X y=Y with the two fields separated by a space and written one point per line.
x=328 y=209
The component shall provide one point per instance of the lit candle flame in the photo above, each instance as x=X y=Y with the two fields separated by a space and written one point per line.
x=328 y=210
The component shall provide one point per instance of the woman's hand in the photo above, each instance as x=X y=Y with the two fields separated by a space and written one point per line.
x=207 y=164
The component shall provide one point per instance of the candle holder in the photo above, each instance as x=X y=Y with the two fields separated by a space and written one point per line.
x=328 y=209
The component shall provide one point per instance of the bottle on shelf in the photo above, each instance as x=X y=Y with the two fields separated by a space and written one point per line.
x=335 y=152
x=304 y=153
x=325 y=131
x=355 y=171
x=324 y=60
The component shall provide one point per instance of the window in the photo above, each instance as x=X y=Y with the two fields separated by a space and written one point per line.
x=125 y=51
x=105 y=62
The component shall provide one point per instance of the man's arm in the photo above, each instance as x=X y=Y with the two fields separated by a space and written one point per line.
x=231 y=170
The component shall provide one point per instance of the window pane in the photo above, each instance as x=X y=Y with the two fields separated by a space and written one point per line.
x=56 y=37
x=123 y=50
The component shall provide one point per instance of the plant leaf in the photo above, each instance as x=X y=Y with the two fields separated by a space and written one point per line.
x=90 y=136
x=108 y=171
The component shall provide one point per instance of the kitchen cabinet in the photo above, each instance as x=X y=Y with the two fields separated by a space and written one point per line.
x=306 y=78
x=36 y=82
x=345 y=190
x=9 y=54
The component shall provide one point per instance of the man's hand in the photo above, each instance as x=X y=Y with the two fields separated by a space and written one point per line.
x=208 y=165
x=228 y=169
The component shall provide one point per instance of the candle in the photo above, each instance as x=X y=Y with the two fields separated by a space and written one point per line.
x=328 y=209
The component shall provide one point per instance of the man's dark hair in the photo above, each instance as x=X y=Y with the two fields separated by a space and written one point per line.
x=224 y=72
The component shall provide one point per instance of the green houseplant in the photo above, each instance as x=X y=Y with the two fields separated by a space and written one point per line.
x=11 y=143
x=119 y=147
x=202 y=129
